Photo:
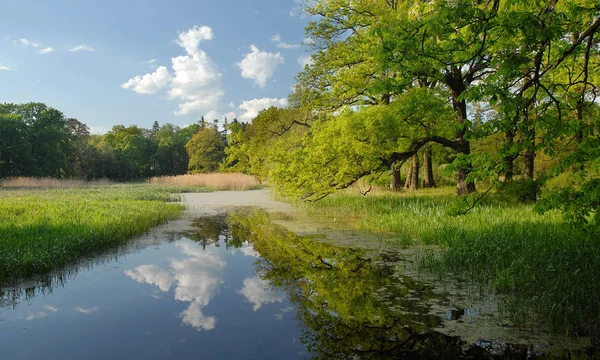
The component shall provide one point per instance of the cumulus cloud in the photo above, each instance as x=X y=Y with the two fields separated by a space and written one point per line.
x=252 y=107
x=46 y=50
x=259 y=292
x=151 y=61
x=82 y=47
x=259 y=65
x=4 y=68
x=283 y=45
x=305 y=60
x=190 y=40
x=149 y=83
x=197 y=82
x=195 y=79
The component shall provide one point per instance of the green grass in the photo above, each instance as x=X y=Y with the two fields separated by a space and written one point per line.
x=42 y=230
x=549 y=269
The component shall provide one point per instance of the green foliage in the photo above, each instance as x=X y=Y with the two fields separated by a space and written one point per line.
x=522 y=190
x=579 y=205
x=343 y=148
x=206 y=150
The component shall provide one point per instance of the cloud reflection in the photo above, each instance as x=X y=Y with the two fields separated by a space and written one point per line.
x=196 y=278
x=259 y=292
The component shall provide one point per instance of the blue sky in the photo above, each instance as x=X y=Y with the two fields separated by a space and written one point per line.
x=137 y=61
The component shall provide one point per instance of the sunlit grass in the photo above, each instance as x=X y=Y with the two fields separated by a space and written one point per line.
x=550 y=269
x=41 y=230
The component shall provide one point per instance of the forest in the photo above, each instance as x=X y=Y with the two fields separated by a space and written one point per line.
x=39 y=141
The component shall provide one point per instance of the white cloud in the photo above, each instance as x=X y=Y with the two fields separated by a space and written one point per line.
x=4 y=68
x=195 y=79
x=149 y=83
x=259 y=65
x=190 y=40
x=305 y=60
x=308 y=41
x=282 y=44
x=151 y=61
x=197 y=82
x=82 y=47
x=259 y=292
x=85 y=311
x=252 y=107
x=35 y=45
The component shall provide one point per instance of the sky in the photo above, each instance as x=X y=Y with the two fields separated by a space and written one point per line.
x=133 y=62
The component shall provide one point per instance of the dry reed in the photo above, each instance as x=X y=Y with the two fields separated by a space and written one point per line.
x=216 y=181
x=49 y=183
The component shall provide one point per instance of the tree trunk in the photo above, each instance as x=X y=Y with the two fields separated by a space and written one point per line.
x=395 y=179
x=408 y=177
x=414 y=172
x=456 y=83
x=529 y=158
x=428 y=181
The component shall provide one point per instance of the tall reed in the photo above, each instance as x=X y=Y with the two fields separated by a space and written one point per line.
x=215 y=181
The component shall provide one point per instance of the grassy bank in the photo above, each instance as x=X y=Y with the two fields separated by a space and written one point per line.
x=45 y=229
x=550 y=269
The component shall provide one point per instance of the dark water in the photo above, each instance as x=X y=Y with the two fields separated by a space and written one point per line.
x=234 y=288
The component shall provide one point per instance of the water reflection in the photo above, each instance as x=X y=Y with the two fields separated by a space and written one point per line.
x=195 y=278
x=355 y=306
x=239 y=277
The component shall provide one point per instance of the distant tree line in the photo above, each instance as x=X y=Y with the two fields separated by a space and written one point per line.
x=39 y=141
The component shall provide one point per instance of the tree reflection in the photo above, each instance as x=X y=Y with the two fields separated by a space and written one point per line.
x=350 y=305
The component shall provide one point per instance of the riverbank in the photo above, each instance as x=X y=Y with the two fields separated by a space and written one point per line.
x=47 y=229
x=547 y=269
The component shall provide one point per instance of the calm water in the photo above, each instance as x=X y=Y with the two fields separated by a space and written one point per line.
x=233 y=288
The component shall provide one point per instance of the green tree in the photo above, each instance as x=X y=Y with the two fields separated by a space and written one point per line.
x=206 y=149
x=15 y=146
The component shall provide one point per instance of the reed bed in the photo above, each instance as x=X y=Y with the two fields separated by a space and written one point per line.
x=215 y=181
x=549 y=269
x=50 y=183
x=42 y=230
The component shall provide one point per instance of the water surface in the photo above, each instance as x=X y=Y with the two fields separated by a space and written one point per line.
x=231 y=287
